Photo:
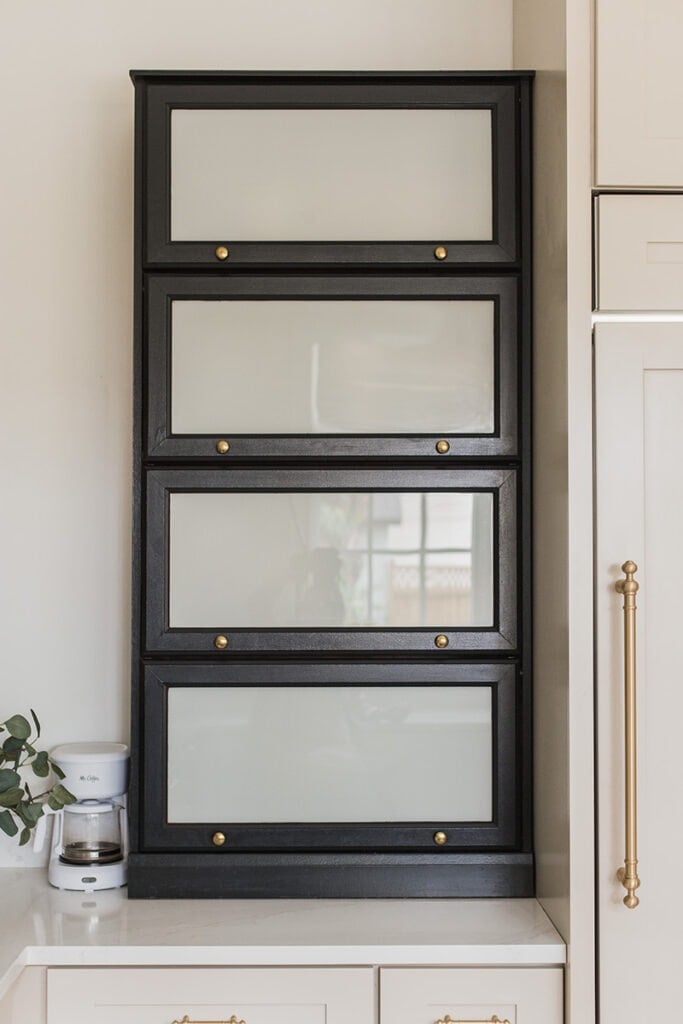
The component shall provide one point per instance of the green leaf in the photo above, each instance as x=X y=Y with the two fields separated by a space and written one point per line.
x=8 y=779
x=41 y=765
x=57 y=770
x=63 y=794
x=13 y=747
x=54 y=802
x=29 y=749
x=18 y=727
x=25 y=836
x=32 y=811
x=34 y=716
x=11 y=797
x=8 y=824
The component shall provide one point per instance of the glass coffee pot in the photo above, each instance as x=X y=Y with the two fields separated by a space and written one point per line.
x=91 y=833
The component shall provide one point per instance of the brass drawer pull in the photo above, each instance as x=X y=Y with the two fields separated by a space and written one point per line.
x=451 y=1020
x=186 y=1020
x=628 y=875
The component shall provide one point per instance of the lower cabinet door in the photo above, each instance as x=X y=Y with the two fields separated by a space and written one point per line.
x=211 y=995
x=479 y=995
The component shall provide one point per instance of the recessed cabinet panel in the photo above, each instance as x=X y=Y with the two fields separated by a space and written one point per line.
x=344 y=175
x=320 y=559
x=332 y=367
x=640 y=252
x=210 y=995
x=471 y=995
x=639 y=93
x=328 y=755
x=298 y=366
x=343 y=169
x=343 y=754
x=302 y=560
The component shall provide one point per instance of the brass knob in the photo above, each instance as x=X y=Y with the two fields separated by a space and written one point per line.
x=222 y=252
x=441 y=640
x=222 y=447
x=440 y=838
x=441 y=252
x=442 y=447
x=221 y=642
x=218 y=839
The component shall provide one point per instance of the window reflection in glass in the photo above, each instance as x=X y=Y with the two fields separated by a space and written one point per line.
x=335 y=559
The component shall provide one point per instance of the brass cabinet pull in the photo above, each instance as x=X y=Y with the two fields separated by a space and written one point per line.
x=450 y=1020
x=186 y=1020
x=628 y=875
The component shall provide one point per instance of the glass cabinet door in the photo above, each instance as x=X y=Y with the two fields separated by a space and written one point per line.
x=367 y=753
x=281 y=168
x=331 y=174
x=337 y=367
x=331 y=559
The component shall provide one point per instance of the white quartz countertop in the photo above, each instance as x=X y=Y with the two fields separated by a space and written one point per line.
x=42 y=925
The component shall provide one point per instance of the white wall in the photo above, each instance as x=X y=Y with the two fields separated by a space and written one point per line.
x=65 y=295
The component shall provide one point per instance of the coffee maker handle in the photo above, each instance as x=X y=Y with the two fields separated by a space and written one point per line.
x=41 y=828
x=40 y=833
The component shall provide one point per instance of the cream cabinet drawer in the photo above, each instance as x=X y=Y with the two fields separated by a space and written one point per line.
x=255 y=995
x=427 y=996
x=640 y=252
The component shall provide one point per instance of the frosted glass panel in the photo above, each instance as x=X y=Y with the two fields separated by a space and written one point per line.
x=335 y=175
x=329 y=754
x=332 y=367
x=303 y=559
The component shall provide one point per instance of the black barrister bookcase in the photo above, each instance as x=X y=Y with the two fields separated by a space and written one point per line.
x=331 y=617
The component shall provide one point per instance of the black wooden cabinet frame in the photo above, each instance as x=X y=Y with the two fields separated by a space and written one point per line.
x=376 y=860
x=162 y=290
x=160 y=94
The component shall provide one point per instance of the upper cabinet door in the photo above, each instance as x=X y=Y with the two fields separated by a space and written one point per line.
x=639 y=93
x=259 y=170
x=331 y=559
x=274 y=366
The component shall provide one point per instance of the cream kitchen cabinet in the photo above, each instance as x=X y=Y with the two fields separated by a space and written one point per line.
x=640 y=253
x=292 y=995
x=639 y=93
x=639 y=444
x=257 y=995
x=439 y=994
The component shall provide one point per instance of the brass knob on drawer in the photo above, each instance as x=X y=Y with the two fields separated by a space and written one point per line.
x=218 y=839
x=441 y=252
x=221 y=642
x=441 y=640
x=222 y=252
x=440 y=838
x=222 y=447
x=442 y=447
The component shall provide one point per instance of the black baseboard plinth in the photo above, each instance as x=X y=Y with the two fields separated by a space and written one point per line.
x=329 y=876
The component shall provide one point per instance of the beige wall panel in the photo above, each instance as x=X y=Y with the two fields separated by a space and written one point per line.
x=555 y=37
x=66 y=297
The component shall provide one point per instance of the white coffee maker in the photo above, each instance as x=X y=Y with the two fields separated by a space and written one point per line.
x=89 y=838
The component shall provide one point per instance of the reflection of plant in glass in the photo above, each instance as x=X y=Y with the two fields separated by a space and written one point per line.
x=16 y=799
x=343 y=525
